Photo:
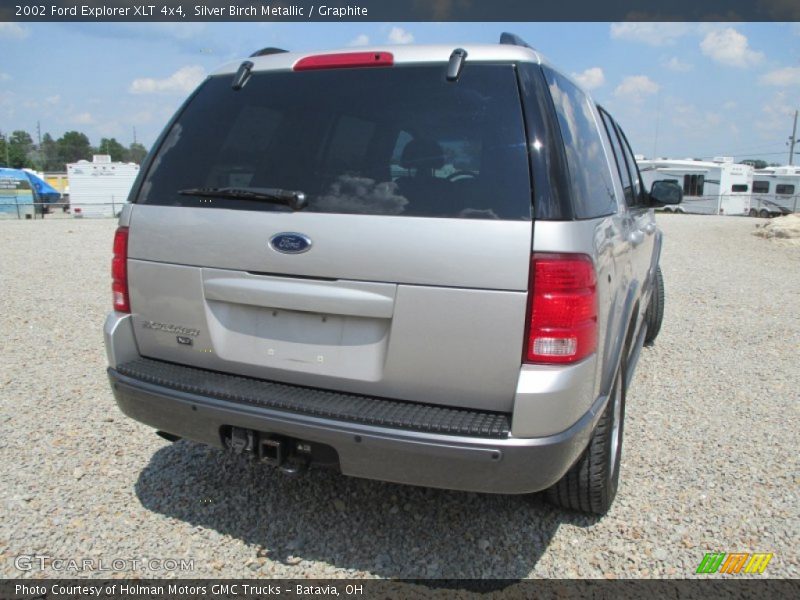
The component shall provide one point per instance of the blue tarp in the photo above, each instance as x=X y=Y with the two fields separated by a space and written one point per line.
x=42 y=191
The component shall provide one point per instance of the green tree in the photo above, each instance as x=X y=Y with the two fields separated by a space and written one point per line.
x=113 y=148
x=20 y=146
x=72 y=147
x=136 y=153
x=3 y=150
x=756 y=164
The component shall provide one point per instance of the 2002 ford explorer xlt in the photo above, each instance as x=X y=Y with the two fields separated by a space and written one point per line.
x=427 y=265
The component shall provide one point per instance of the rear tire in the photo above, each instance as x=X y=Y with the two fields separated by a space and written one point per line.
x=655 y=310
x=764 y=213
x=753 y=212
x=591 y=484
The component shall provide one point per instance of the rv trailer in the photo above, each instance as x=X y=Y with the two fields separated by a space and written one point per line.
x=776 y=191
x=714 y=187
x=99 y=188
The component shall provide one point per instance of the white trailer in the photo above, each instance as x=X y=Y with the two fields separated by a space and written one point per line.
x=99 y=188
x=776 y=191
x=715 y=187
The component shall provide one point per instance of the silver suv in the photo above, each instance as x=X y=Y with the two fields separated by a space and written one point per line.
x=426 y=265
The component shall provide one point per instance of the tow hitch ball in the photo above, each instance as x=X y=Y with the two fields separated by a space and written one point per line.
x=289 y=455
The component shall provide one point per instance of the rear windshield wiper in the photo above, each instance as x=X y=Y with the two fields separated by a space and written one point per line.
x=293 y=199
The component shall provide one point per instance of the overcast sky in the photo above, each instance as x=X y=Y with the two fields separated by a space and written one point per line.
x=679 y=90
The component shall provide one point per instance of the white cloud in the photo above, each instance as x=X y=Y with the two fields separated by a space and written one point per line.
x=53 y=99
x=729 y=47
x=782 y=77
x=652 y=34
x=591 y=78
x=730 y=104
x=83 y=118
x=398 y=35
x=636 y=87
x=676 y=64
x=777 y=114
x=359 y=40
x=182 y=81
x=5 y=77
x=12 y=31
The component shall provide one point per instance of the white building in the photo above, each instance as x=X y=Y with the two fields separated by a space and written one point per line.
x=99 y=188
x=714 y=187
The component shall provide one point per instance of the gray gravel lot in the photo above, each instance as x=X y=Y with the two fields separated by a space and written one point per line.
x=710 y=461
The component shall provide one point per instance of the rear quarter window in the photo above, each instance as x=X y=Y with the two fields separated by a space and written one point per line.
x=590 y=179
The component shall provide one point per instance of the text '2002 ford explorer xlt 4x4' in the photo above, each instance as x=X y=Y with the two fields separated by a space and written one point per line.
x=426 y=265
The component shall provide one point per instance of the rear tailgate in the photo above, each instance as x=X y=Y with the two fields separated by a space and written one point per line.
x=414 y=285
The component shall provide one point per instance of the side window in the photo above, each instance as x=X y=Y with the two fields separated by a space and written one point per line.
x=637 y=195
x=589 y=175
x=693 y=185
x=784 y=190
x=739 y=187
x=619 y=157
x=761 y=187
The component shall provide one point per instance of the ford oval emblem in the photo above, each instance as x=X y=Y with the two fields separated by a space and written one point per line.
x=290 y=243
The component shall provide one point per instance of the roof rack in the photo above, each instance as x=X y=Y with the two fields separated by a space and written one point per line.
x=513 y=39
x=267 y=51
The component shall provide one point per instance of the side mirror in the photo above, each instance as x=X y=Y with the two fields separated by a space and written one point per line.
x=665 y=192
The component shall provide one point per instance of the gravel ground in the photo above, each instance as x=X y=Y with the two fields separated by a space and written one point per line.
x=710 y=460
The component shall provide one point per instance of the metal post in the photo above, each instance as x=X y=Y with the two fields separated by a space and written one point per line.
x=793 y=140
x=113 y=208
x=16 y=201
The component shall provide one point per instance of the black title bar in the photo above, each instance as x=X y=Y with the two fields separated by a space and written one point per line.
x=399 y=10
x=262 y=589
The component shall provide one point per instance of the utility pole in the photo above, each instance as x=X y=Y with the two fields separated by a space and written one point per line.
x=39 y=147
x=793 y=140
x=134 y=135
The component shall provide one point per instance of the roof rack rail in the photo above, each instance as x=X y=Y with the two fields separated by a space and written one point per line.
x=513 y=39
x=267 y=51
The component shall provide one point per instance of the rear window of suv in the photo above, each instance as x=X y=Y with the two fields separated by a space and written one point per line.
x=379 y=141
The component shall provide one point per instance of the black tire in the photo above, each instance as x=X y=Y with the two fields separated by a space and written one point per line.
x=753 y=212
x=591 y=484
x=763 y=213
x=655 y=310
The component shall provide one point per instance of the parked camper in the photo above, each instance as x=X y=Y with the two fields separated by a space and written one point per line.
x=100 y=188
x=719 y=186
x=776 y=191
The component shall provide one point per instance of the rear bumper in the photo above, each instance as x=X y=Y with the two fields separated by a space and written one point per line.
x=478 y=463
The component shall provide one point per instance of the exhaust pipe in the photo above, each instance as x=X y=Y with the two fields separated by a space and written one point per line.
x=168 y=436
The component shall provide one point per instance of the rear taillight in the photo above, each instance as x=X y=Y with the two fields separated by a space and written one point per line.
x=119 y=271
x=562 y=309
x=345 y=60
